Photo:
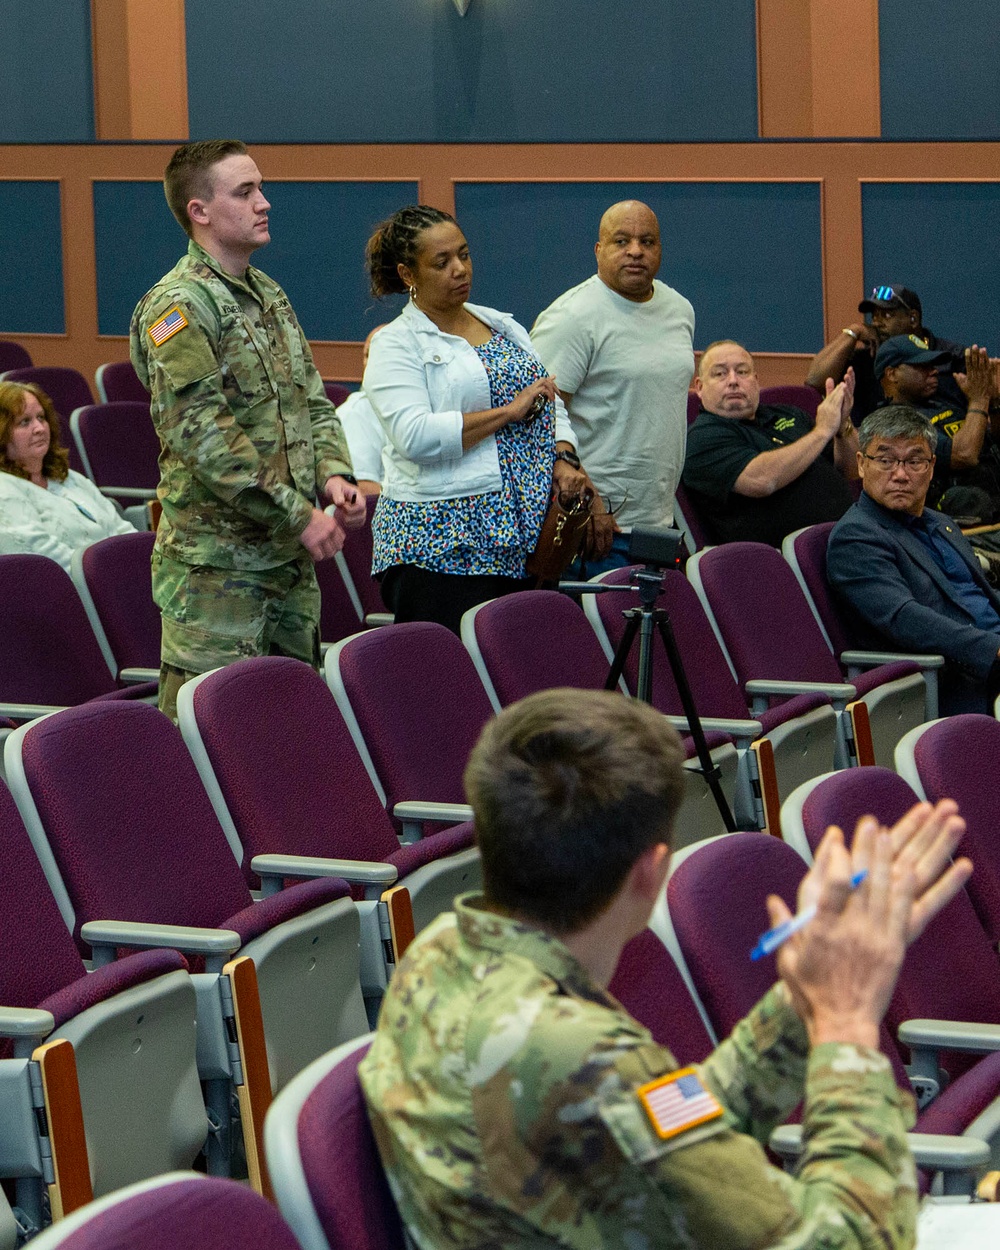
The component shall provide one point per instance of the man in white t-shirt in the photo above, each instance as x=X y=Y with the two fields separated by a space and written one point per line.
x=620 y=346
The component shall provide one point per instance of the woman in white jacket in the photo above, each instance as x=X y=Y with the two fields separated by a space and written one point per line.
x=476 y=434
x=45 y=507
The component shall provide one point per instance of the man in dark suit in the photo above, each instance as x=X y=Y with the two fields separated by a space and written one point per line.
x=906 y=572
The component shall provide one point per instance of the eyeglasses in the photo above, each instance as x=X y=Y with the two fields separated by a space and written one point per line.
x=885 y=294
x=913 y=466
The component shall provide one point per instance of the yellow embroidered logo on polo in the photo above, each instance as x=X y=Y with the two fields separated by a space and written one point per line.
x=678 y=1101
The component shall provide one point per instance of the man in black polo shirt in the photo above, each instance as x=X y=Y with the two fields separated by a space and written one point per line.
x=757 y=472
x=893 y=310
x=967 y=455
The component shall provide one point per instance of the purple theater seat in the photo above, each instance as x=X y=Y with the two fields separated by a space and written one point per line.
x=13 y=356
x=804 y=397
x=48 y=651
x=116 y=575
x=952 y=971
x=338 y=616
x=314 y=796
x=959 y=758
x=805 y=550
x=131 y=829
x=117 y=382
x=418 y=703
x=341 y=1165
x=120 y=447
x=179 y=1209
x=357 y=555
x=649 y=985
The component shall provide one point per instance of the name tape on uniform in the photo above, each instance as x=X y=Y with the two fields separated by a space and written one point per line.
x=678 y=1101
x=172 y=321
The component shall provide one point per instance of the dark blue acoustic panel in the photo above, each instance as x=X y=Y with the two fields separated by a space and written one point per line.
x=31 y=274
x=124 y=214
x=385 y=71
x=48 y=80
x=319 y=231
x=747 y=255
x=938 y=238
x=939 y=69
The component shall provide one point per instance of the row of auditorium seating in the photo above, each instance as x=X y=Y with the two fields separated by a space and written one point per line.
x=61 y=646
x=680 y=977
x=128 y=841
x=527 y=641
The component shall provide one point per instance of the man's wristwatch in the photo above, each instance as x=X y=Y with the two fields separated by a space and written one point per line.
x=349 y=477
x=571 y=458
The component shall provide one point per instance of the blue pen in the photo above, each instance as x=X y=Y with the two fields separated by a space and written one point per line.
x=773 y=938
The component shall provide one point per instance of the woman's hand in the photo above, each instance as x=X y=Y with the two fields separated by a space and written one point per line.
x=528 y=404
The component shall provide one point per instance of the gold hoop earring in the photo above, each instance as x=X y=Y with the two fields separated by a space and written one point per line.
x=413 y=293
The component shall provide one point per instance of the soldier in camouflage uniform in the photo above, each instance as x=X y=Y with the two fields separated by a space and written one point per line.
x=250 y=444
x=516 y=1104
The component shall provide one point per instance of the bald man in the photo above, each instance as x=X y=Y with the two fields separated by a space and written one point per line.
x=621 y=346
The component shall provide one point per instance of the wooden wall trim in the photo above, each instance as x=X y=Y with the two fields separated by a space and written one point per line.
x=818 y=69
x=841 y=167
x=140 y=69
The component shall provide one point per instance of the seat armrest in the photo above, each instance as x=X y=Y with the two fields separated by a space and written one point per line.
x=129 y=492
x=833 y=689
x=375 y=620
x=25 y=1022
x=415 y=809
x=938 y=1151
x=28 y=711
x=274 y=868
x=747 y=730
x=136 y=676
x=872 y=659
x=839 y=693
x=105 y=936
x=950 y=1035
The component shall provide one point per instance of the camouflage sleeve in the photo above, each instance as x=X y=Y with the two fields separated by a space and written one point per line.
x=759 y=1071
x=855 y=1188
x=329 y=440
x=193 y=418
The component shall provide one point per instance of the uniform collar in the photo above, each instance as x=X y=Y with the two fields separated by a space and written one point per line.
x=501 y=935
x=249 y=282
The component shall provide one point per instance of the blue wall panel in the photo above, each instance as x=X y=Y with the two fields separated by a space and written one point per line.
x=940 y=69
x=939 y=239
x=319 y=231
x=48 y=84
x=31 y=275
x=349 y=71
x=747 y=255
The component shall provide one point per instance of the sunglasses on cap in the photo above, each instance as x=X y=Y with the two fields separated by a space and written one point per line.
x=885 y=294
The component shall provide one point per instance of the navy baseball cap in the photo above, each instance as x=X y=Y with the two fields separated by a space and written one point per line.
x=906 y=349
x=891 y=297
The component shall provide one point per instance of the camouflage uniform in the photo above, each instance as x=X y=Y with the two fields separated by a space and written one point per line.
x=247 y=437
x=502 y=1084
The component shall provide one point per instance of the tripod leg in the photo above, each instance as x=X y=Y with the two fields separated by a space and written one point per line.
x=623 y=649
x=709 y=769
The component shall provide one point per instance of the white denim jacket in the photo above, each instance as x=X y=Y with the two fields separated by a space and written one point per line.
x=420 y=381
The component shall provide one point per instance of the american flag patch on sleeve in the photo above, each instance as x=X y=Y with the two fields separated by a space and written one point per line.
x=678 y=1101
x=168 y=325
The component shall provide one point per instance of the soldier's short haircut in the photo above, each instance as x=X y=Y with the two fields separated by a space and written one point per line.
x=395 y=241
x=189 y=173
x=569 y=788
x=896 y=421
x=56 y=462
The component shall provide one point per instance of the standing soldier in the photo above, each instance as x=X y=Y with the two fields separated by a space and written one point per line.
x=251 y=447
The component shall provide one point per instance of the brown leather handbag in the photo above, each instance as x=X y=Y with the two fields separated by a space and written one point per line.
x=562 y=534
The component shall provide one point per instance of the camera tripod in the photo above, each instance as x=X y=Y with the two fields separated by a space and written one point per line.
x=641 y=622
